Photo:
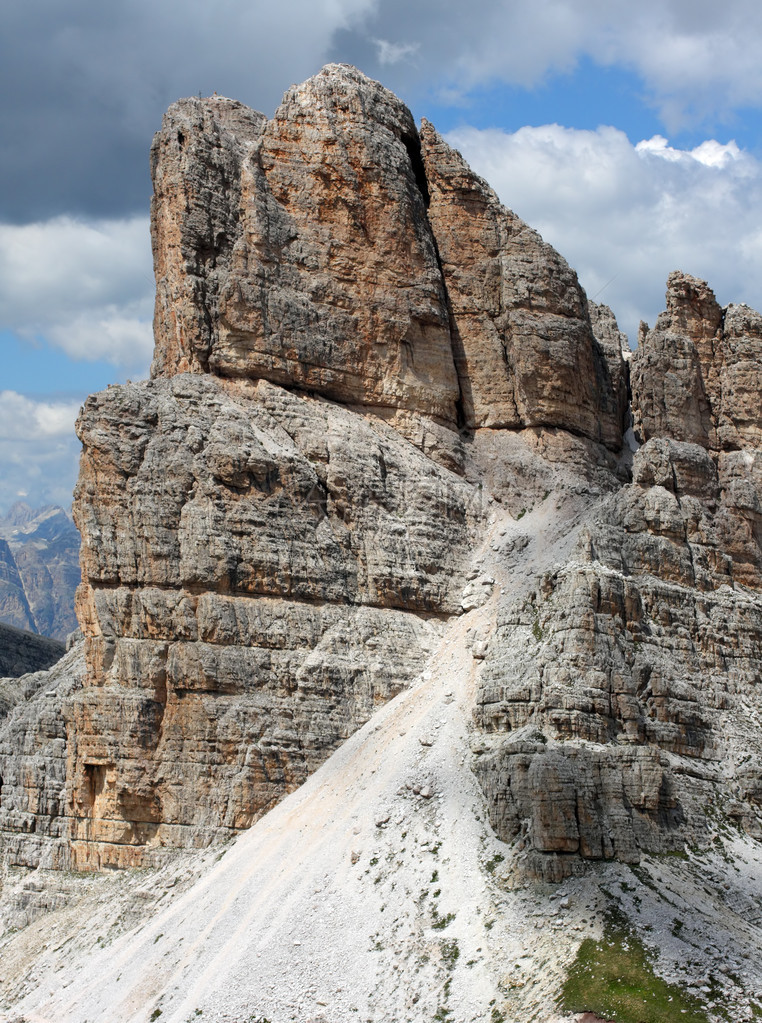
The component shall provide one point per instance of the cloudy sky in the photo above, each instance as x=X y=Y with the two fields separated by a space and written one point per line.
x=627 y=134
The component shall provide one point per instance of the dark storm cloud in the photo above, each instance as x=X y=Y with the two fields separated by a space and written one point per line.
x=85 y=84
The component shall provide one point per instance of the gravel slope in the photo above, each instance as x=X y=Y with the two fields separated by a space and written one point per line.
x=376 y=892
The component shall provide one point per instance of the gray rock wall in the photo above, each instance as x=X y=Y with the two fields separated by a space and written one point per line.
x=364 y=365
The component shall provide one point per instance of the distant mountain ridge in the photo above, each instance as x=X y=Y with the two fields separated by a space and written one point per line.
x=39 y=570
x=22 y=652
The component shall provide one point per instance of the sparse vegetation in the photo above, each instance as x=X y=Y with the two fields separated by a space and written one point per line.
x=490 y=865
x=450 y=953
x=614 y=978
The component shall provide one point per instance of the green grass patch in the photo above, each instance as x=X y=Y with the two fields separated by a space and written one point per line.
x=614 y=978
x=490 y=865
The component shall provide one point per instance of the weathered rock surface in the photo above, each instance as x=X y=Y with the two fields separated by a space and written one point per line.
x=697 y=375
x=334 y=250
x=36 y=741
x=298 y=250
x=39 y=570
x=620 y=704
x=380 y=402
x=262 y=571
x=522 y=336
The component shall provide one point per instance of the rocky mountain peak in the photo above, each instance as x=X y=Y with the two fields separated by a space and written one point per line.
x=692 y=308
x=696 y=375
x=385 y=425
x=335 y=250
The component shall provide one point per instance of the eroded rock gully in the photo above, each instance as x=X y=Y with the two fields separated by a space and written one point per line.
x=379 y=399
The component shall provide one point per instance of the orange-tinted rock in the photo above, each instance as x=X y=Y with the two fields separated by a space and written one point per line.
x=367 y=372
x=298 y=250
x=523 y=341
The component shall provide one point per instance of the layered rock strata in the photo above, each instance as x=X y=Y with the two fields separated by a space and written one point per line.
x=522 y=336
x=627 y=716
x=263 y=567
x=37 y=740
x=380 y=401
x=263 y=570
x=335 y=250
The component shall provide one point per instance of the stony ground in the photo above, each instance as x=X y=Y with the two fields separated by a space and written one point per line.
x=376 y=892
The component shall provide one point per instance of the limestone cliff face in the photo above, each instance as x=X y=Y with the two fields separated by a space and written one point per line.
x=36 y=742
x=523 y=340
x=263 y=569
x=380 y=401
x=335 y=250
x=698 y=375
x=298 y=250
x=620 y=705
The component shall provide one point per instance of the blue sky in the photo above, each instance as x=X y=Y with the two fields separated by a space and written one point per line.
x=629 y=137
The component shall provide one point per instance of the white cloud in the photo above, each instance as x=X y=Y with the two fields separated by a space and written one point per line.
x=393 y=53
x=711 y=153
x=25 y=418
x=625 y=215
x=697 y=58
x=86 y=287
x=39 y=452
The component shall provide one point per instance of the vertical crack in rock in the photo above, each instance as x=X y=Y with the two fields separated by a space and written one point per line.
x=413 y=145
x=524 y=339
